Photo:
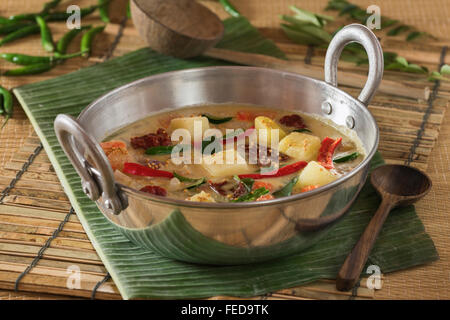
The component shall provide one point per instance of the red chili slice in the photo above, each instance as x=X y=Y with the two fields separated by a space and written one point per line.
x=140 y=170
x=326 y=152
x=156 y=190
x=284 y=171
x=246 y=116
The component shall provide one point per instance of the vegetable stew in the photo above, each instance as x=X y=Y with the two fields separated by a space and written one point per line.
x=231 y=153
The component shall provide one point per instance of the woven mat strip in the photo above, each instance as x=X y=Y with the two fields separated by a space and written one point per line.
x=249 y=1
x=20 y=173
x=426 y=116
x=42 y=249
x=31 y=158
x=99 y=284
x=309 y=54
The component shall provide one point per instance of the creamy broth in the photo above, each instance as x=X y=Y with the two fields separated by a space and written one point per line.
x=302 y=165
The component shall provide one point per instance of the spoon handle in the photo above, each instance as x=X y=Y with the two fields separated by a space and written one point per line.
x=355 y=261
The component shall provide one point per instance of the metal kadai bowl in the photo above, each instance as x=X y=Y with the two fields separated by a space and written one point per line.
x=226 y=233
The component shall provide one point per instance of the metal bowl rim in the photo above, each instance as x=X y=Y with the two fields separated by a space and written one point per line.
x=237 y=205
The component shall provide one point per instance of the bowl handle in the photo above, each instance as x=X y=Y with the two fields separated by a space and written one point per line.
x=362 y=35
x=96 y=182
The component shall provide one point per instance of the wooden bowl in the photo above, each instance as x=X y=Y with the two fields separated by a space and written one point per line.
x=180 y=28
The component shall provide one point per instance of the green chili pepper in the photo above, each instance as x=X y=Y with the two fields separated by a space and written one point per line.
x=57 y=56
x=217 y=120
x=2 y=110
x=301 y=130
x=63 y=16
x=23 y=17
x=230 y=8
x=86 y=41
x=159 y=150
x=12 y=26
x=49 y=6
x=4 y=20
x=103 y=10
x=349 y=157
x=26 y=60
x=23 y=32
x=23 y=59
x=31 y=69
x=7 y=104
x=46 y=34
x=128 y=10
x=63 y=43
x=32 y=16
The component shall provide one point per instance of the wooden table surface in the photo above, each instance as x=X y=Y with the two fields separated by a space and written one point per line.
x=433 y=16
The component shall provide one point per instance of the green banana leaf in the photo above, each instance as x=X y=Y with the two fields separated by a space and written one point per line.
x=139 y=272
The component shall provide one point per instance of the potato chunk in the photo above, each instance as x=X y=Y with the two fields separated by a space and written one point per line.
x=188 y=124
x=300 y=146
x=201 y=197
x=262 y=122
x=314 y=175
x=217 y=164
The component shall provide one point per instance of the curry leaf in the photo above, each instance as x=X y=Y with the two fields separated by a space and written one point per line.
x=183 y=179
x=247 y=182
x=348 y=157
x=402 y=61
x=306 y=16
x=413 y=35
x=300 y=36
x=286 y=190
x=386 y=23
x=301 y=130
x=397 y=30
x=252 y=196
x=217 y=120
x=196 y=182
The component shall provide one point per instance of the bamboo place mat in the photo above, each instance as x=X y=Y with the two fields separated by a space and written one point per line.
x=33 y=217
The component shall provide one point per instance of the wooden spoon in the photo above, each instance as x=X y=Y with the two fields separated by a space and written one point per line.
x=398 y=185
x=185 y=29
